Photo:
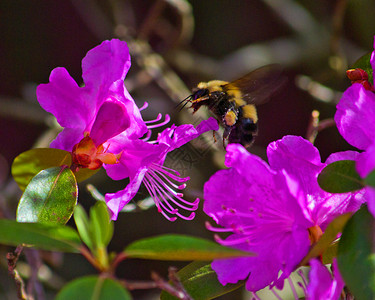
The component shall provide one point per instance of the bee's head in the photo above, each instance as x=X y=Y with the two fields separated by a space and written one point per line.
x=199 y=97
x=199 y=93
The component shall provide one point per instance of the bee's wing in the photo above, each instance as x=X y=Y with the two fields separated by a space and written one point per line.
x=259 y=85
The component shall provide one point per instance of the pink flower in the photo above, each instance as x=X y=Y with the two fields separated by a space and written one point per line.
x=355 y=119
x=143 y=162
x=277 y=211
x=99 y=110
x=323 y=284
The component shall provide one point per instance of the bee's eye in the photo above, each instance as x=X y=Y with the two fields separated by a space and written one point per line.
x=200 y=93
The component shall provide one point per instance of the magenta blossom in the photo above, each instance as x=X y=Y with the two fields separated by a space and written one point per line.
x=355 y=119
x=355 y=115
x=143 y=162
x=323 y=284
x=277 y=211
x=99 y=110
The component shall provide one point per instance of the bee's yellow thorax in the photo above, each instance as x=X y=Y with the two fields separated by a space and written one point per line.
x=249 y=111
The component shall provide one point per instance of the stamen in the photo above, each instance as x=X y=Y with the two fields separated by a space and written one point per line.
x=159 y=203
x=175 y=176
x=157 y=189
x=164 y=177
x=302 y=287
x=231 y=242
x=188 y=218
x=302 y=275
x=152 y=193
x=217 y=229
x=163 y=187
x=172 y=219
x=144 y=106
x=166 y=121
x=147 y=137
x=293 y=288
x=166 y=168
x=275 y=294
x=155 y=120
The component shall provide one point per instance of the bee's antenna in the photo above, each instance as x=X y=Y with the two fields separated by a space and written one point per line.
x=186 y=100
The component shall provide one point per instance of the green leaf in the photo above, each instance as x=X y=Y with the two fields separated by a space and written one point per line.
x=93 y=288
x=101 y=224
x=42 y=236
x=201 y=283
x=326 y=240
x=370 y=179
x=364 y=64
x=49 y=198
x=340 y=177
x=180 y=247
x=330 y=253
x=26 y=165
x=83 y=225
x=84 y=174
x=356 y=257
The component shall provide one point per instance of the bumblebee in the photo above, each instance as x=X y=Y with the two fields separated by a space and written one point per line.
x=233 y=103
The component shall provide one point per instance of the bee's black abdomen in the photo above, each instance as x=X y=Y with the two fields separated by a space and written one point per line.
x=248 y=125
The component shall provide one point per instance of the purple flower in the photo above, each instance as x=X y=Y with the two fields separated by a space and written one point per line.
x=99 y=110
x=143 y=162
x=277 y=211
x=355 y=119
x=322 y=284
x=355 y=115
x=301 y=160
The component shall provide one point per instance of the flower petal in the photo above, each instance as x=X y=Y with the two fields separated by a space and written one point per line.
x=355 y=116
x=259 y=273
x=297 y=148
x=370 y=197
x=372 y=58
x=228 y=186
x=301 y=160
x=136 y=154
x=67 y=138
x=117 y=201
x=105 y=64
x=320 y=281
x=111 y=119
x=176 y=136
x=338 y=278
x=343 y=155
x=65 y=100
x=322 y=285
x=366 y=161
x=137 y=126
x=240 y=159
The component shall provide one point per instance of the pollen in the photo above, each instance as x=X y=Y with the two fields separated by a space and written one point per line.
x=230 y=118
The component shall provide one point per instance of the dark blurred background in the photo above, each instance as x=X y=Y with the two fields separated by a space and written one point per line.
x=174 y=45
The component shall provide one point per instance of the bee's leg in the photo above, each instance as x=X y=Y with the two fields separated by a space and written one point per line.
x=225 y=142
x=213 y=131
x=213 y=135
x=226 y=133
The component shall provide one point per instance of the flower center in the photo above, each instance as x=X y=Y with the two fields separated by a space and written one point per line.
x=86 y=155
x=315 y=233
